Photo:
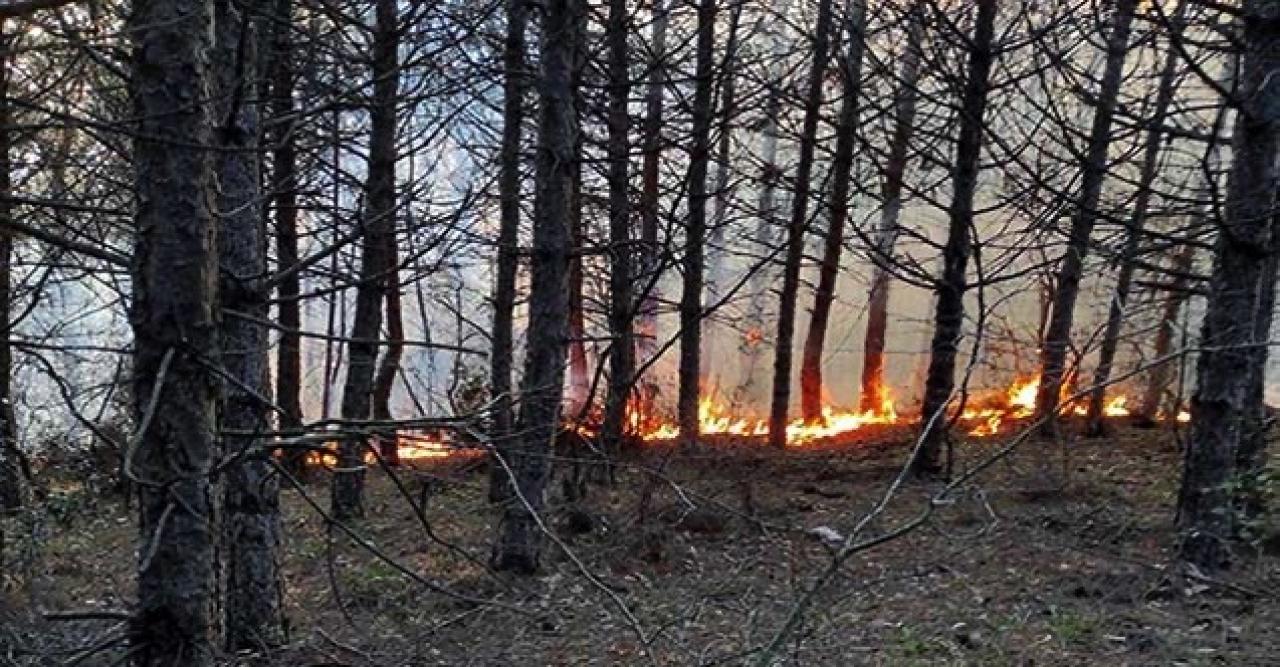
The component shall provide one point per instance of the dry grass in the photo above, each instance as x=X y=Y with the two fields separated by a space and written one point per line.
x=1010 y=573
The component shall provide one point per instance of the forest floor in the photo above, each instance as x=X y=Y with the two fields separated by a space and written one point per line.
x=1007 y=571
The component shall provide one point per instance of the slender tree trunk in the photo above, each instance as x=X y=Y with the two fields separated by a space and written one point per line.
x=519 y=543
x=696 y=229
x=622 y=351
x=175 y=274
x=838 y=208
x=651 y=196
x=504 y=297
x=579 y=371
x=873 y=393
x=251 y=535
x=1237 y=322
x=389 y=366
x=1058 y=336
x=1133 y=239
x=781 y=398
x=284 y=191
x=375 y=265
x=10 y=470
x=949 y=307
x=1158 y=375
x=724 y=146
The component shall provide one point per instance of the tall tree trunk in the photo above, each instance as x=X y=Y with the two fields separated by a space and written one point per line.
x=696 y=229
x=781 y=397
x=1237 y=322
x=284 y=191
x=504 y=297
x=1158 y=375
x=724 y=145
x=949 y=308
x=251 y=493
x=622 y=351
x=175 y=275
x=375 y=265
x=579 y=372
x=389 y=367
x=1058 y=335
x=838 y=214
x=651 y=195
x=873 y=393
x=10 y=471
x=519 y=544
x=1133 y=237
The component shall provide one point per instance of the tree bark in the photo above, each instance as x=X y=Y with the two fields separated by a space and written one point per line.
x=838 y=207
x=579 y=373
x=10 y=470
x=1133 y=237
x=375 y=265
x=504 y=297
x=690 y=373
x=1158 y=375
x=651 y=196
x=781 y=396
x=251 y=534
x=389 y=367
x=518 y=545
x=1067 y=288
x=175 y=274
x=950 y=290
x=1227 y=400
x=284 y=192
x=622 y=351
x=873 y=391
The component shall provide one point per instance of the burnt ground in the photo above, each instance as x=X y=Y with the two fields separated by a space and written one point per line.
x=1010 y=570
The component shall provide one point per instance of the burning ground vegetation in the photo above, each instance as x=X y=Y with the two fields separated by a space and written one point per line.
x=1058 y=553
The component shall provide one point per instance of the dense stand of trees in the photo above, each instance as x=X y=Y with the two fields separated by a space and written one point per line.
x=331 y=222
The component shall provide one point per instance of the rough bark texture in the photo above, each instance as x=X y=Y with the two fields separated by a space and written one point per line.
x=518 y=545
x=251 y=502
x=1227 y=404
x=10 y=471
x=780 y=399
x=1158 y=375
x=173 y=316
x=696 y=229
x=838 y=215
x=375 y=265
x=872 y=394
x=1133 y=238
x=1067 y=287
x=284 y=191
x=949 y=308
x=504 y=297
x=579 y=373
x=622 y=351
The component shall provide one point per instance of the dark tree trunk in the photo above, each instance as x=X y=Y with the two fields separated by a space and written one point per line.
x=173 y=314
x=389 y=366
x=504 y=297
x=838 y=214
x=1158 y=375
x=873 y=392
x=1133 y=238
x=949 y=308
x=1067 y=288
x=375 y=265
x=781 y=396
x=284 y=190
x=579 y=373
x=251 y=535
x=622 y=351
x=1237 y=322
x=10 y=470
x=690 y=373
x=650 y=194
x=720 y=208
x=519 y=540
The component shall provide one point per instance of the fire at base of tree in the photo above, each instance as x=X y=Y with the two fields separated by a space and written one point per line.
x=815 y=332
